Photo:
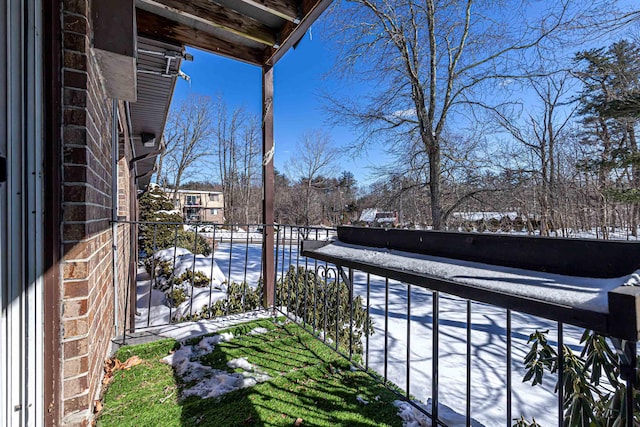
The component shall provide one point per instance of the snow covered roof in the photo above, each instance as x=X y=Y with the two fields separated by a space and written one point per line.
x=368 y=215
x=374 y=215
x=478 y=216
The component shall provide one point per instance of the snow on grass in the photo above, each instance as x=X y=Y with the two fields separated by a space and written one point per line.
x=207 y=381
x=208 y=343
x=362 y=400
x=487 y=345
x=413 y=417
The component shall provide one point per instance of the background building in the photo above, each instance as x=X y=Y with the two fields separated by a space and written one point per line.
x=201 y=205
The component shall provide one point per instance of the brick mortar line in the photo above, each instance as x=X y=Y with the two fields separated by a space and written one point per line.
x=75 y=70
x=84 y=204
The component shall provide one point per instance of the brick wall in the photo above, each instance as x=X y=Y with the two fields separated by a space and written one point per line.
x=87 y=314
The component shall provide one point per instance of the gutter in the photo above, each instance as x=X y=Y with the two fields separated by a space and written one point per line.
x=114 y=208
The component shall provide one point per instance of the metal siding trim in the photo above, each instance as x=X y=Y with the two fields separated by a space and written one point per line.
x=52 y=196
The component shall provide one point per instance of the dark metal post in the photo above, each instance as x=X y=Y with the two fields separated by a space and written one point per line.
x=509 y=360
x=435 y=363
x=153 y=274
x=213 y=260
x=193 y=271
x=173 y=268
x=468 y=409
x=408 y=382
x=560 y=375
x=386 y=326
x=366 y=327
x=268 y=184
x=350 y=287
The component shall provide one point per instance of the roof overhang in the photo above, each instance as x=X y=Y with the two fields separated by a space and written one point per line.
x=258 y=32
x=158 y=66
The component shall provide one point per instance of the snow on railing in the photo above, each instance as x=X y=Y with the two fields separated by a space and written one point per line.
x=453 y=314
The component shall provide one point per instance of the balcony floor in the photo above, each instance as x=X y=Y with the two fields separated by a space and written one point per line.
x=264 y=372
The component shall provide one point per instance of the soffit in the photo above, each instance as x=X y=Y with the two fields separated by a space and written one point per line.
x=258 y=32
x=158 y=66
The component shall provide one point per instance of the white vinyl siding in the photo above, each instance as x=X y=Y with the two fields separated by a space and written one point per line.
x=21 y=268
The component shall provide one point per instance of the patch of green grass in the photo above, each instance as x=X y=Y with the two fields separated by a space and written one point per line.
x=308 y=381
x=145 y=395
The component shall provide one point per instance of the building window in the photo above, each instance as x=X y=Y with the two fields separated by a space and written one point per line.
x=214 y=197
x=192 y=200
x=214 y=211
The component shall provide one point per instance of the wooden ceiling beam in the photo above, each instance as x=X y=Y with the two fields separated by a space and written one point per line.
x=214 y=15
x=285 y=9
x=164 y=29
x=292 y=34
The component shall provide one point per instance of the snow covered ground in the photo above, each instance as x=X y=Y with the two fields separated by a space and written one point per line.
x=488 y=340
x=209 y=382
x=253 y=234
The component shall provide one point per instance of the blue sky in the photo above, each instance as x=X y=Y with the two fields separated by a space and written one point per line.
x=299 y=80
x=300 y=77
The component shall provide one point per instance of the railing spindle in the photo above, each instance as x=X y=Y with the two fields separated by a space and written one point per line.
x=435 y=356
x=282 y=273
x=560 y=374
x=350 y=284
x=277 y=259
x=324 y=313
x=468 y=408
x=153 y=274
x=173 y=266
x=245 y=283
x=368 y=320
x=408 y=381
x=509 y=356
x=306 y=289
x=193 y=272
x=386 y=325
x=337 y=285
x=213 y=261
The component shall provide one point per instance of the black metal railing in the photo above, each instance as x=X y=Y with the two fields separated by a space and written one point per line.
x=461 y=358
x=202 y=270
x=464 y=358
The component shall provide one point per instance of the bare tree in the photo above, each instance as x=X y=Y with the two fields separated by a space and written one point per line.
x=312 y=164
x=225 y=146
x=431 y=62
x=236 y=145
x=539 y=135
x=249 y=165
x=187 y=134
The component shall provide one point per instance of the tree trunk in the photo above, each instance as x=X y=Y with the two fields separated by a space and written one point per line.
x=635 y=170
x=434 y=187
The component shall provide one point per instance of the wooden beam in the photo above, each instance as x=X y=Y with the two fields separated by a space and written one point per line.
x=285 y=9
x=167 y=30
x=217 y=16
x=291 y=35
x=268 y=184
